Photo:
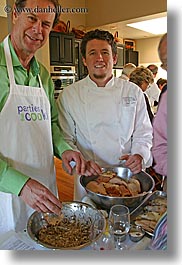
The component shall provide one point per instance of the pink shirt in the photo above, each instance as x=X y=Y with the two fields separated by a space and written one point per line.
x=159 y=149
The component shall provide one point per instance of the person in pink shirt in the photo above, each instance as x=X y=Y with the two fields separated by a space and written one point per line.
x=159 y=152
x=159 y=149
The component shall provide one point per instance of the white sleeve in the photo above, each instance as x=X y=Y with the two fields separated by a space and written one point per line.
x=65 y=120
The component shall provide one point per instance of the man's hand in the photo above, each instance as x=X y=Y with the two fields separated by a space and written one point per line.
x=133 y=162
x=92 y=169
x=68 y=156
x=38 y=197
x=83 y=167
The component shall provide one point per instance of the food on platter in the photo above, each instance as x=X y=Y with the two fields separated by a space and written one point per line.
x=147 y=225
x=151 y=213
x=153 y=216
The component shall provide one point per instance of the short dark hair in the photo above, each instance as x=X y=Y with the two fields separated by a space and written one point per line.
x=161 y=81
x=153 y=68
x=22 y=3
x=99 y=35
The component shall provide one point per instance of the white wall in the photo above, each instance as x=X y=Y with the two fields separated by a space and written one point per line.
x=148 y=49
x=148 y=54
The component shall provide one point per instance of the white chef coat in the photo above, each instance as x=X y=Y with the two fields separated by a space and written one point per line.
x=106 y=122
x=153 y=93
x=25 y=143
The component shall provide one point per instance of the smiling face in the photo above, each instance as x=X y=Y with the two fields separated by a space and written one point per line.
x=31 y=29
x=99 y=61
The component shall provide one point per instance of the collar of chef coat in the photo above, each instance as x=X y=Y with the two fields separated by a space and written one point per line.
x=34 y=66
x=92 y=84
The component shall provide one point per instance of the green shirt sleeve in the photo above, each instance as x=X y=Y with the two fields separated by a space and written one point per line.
x=11 y=180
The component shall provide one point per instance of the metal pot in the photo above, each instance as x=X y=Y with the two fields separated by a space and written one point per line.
x=105 y=202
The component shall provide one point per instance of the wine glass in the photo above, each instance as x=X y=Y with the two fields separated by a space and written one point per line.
x=119 y=224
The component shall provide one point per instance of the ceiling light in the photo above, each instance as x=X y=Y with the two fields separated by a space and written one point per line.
x=154 y=26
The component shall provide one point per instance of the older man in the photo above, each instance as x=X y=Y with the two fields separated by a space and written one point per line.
x=29 y=133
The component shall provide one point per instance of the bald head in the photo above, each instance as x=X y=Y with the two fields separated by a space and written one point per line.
x=162 y=51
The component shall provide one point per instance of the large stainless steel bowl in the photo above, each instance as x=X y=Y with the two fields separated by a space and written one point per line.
x=78 y=211
x=105 y=202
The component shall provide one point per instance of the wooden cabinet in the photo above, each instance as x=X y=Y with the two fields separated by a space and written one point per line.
x=131 y=57
x=62 y=48
x=80 y=69
x=121 y=57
